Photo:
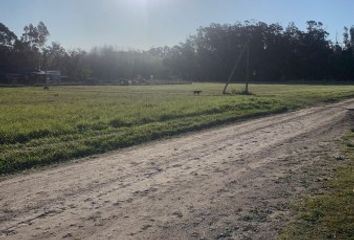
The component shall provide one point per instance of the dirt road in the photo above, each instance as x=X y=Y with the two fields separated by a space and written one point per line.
x=232 y=182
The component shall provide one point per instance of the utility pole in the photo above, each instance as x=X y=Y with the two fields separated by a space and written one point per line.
x=247 y=68
x=234 y=68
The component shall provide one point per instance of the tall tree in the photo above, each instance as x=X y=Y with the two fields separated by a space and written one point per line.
x=35 y=36
x=7 y=37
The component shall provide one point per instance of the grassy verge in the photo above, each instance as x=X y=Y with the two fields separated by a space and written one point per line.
x=330 y=215
x=40 y=127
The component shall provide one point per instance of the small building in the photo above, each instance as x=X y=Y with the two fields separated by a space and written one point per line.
x=34 y=77
x=53 y=77
x=38 y=78
x=26 y=77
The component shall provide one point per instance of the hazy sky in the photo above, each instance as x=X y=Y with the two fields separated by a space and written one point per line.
x=145 y=23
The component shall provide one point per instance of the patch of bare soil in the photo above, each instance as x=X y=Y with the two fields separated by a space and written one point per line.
x=233 y=182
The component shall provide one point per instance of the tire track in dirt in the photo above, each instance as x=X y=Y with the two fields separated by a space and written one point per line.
x=232 y=182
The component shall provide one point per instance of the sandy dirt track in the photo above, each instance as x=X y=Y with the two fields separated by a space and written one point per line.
x=232 y=182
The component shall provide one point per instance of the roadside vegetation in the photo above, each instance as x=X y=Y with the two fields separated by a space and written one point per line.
x=328 y=215
x=38 y=127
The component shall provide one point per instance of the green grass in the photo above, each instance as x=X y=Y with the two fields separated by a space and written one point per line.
x=39 y=127
x=329 y=215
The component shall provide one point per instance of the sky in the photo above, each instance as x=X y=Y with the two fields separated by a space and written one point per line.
x=142 y=24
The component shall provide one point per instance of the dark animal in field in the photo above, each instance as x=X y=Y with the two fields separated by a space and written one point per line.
x=197 y=92
x=46 y=88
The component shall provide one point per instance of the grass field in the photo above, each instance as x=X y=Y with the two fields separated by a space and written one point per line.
x=38 y=127
x=328 y=215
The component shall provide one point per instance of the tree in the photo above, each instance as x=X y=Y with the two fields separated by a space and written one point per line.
x=54 y=56
x=275 y=54
x=32 y=41
x=35 y=36
x=351 y=31
x=7 y=41
x=7 y=37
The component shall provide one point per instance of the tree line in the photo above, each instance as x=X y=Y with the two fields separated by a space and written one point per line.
x=276 y=54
